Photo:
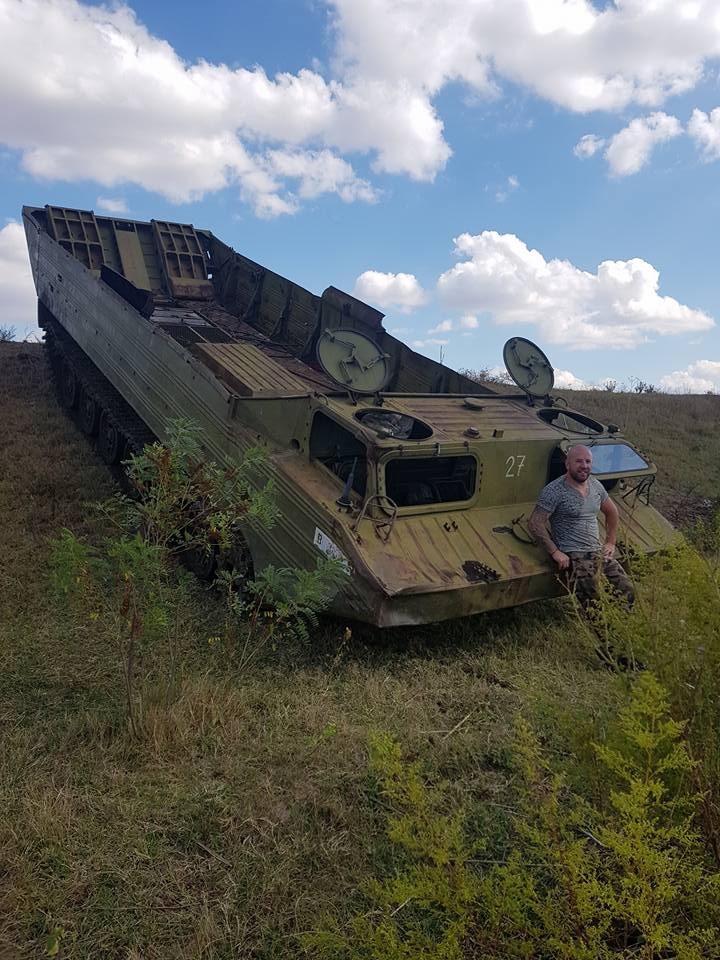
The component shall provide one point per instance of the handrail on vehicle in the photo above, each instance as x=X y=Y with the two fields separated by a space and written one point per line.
x=382 y=525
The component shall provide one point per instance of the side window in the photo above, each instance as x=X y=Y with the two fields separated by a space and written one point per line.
x=416 y=481
x=339 y=451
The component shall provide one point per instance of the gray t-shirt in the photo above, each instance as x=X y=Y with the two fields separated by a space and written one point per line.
x=573 y=518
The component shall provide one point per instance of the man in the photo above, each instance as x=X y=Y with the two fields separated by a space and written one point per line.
x=571 y=504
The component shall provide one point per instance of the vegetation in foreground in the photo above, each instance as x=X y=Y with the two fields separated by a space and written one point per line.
x=241 y=818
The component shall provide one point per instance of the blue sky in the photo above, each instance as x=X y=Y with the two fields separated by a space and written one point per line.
x=476 y=169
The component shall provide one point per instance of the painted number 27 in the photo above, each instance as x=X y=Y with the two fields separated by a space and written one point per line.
x=514 y=465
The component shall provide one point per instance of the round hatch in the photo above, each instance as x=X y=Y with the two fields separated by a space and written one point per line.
x=528 y=366
x=390 y=423
x=353 y=360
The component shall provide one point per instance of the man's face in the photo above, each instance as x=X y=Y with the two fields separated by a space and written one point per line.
x=579 y=464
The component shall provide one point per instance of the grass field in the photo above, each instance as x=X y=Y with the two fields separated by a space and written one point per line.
x=245 y=813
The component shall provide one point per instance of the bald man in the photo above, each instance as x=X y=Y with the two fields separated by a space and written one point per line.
x=571 y=505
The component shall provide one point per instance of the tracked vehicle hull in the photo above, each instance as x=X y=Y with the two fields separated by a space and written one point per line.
x=422 y=482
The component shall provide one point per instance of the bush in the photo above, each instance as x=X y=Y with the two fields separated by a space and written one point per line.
x=425 y=910
x=581 y=883
x=133 y=585
x=675 y=629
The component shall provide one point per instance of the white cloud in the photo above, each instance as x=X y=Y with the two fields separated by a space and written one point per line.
x=567 y=51
x=511 y=184
x=469 y=322
x=112 y=205
x=704 y=129
x=319 y=173
x=588 y=146
x=445 y=326
x=400 y=290
x=630 y=149
x=19 y=309
x=565 y=380
x=84 y=112
x=618 y=306
x=395 y=121
x=703 y=376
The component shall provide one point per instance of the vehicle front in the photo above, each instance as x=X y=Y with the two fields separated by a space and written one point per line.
x=434 y=493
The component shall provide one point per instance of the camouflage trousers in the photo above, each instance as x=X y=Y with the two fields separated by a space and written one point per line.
x=584 y=578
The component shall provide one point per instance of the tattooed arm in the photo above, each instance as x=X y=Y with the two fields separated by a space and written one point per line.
x=538 y=527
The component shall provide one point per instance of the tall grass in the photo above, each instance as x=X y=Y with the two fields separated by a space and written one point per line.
x=244 y=811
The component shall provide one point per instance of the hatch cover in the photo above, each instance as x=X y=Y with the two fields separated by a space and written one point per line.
x=354 y=360
x=528 y=366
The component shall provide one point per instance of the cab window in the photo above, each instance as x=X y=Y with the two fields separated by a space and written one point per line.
x=339 y=451
x=616 y=458
x=417 y=481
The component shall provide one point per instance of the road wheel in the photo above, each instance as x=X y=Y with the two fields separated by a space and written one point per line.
x=69 y=386
x=88 y=414
x=202 y=561
x=111 y=441
x=239 y=562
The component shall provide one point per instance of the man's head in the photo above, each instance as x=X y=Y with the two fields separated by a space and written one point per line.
x=578 y=462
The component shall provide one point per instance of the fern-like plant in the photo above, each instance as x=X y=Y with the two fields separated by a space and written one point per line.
x=425 y=909
x=629 y=881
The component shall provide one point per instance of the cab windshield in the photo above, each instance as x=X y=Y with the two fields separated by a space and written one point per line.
x=616 y=458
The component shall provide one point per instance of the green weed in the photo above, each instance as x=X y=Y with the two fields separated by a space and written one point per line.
x=581 y=883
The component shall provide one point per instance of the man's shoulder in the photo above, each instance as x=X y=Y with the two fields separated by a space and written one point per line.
x=557 y=484
x=551 y=491
x=597 y=487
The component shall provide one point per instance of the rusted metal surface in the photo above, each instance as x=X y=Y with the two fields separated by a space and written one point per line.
x=239 y=330
x=183 y=261
x=247 y=370
x=77 y=232
x=451 y=417
x=236 y=353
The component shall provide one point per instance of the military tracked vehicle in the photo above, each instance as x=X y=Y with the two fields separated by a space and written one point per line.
x=419 y=478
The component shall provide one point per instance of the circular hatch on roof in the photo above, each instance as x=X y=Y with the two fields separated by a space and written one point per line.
x=529 y=367
x=353 y=360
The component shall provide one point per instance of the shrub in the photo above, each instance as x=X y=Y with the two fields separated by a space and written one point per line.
x=424 y=911
x=581 y=883
x=626 y=881
x=675 y=629
x=133 y=585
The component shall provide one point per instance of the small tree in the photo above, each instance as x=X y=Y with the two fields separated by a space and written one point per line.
x=183 y=502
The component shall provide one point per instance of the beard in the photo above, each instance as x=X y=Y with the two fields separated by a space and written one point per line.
x=580 y=474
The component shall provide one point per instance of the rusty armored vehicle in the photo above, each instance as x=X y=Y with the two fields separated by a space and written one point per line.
x=417 y=476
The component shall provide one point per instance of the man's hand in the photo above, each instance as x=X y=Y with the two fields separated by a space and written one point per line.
x=561 y=559
x=608 y=551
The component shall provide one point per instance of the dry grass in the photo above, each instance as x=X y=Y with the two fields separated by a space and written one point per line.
x=244 y=813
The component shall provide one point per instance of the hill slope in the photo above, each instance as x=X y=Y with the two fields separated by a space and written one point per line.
x=244 y=812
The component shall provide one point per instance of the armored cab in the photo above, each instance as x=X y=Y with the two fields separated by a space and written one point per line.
x=415 y=475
